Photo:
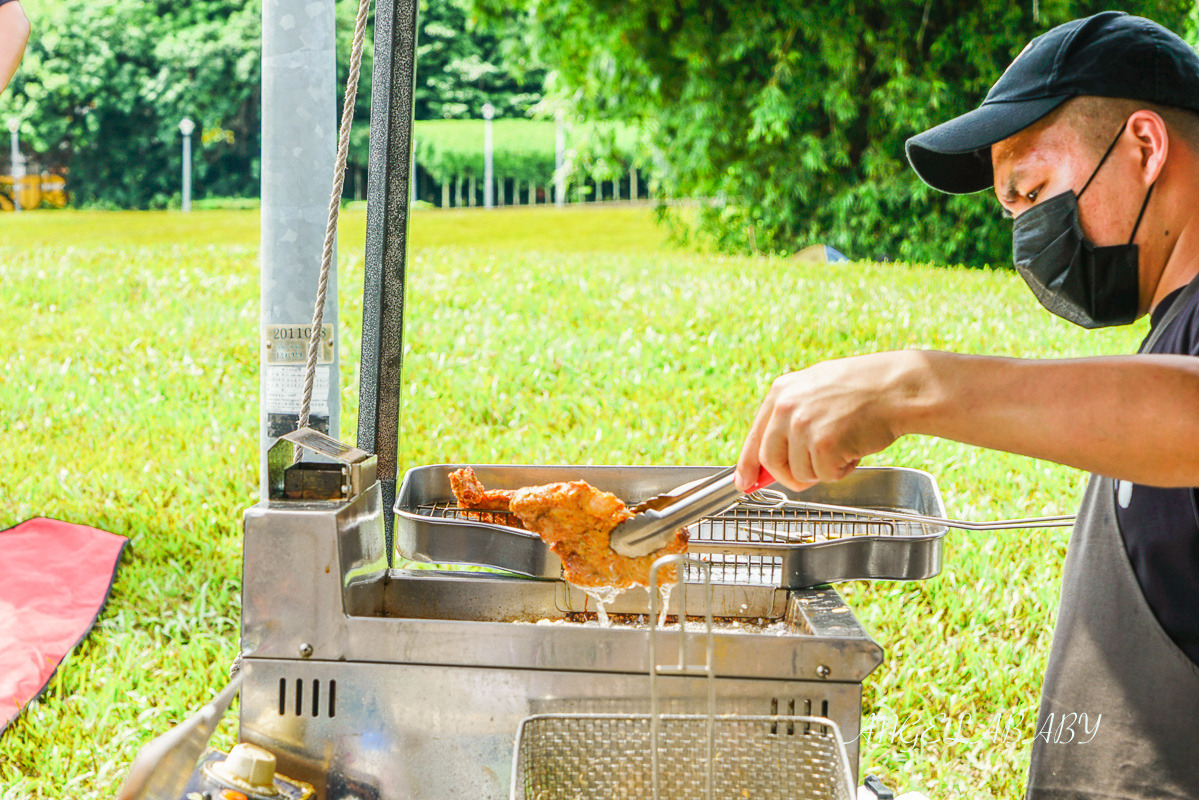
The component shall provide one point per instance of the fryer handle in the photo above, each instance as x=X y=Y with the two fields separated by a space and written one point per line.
x=764 y=479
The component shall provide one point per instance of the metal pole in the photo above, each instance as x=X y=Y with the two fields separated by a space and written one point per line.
x=488 y=157
x=559 y=159
x=187 y=173
x=299 y=143
x=392 y=94
x=18 y=166
x=186 y=127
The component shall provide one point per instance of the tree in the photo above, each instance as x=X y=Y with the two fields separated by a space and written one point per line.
x=791 y=116
x=463 y=62
x=105 y=83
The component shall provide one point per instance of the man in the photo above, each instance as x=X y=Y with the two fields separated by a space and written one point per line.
x=14 y=33
x=1090 y=140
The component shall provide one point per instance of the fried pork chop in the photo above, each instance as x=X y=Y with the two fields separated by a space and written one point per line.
x=574 y=519
x=469 y=492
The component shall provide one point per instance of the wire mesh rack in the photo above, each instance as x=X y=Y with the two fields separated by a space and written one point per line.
x=748 y=522
x=453 y=511
x=593 y=756
x=746 y=544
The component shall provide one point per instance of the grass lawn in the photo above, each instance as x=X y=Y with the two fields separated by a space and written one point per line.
x=574 y=228
x=129 y=403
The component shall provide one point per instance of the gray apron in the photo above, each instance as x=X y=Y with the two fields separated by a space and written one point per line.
x=1112 y=662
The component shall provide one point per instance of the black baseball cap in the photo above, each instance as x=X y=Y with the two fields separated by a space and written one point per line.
x=1111 y=54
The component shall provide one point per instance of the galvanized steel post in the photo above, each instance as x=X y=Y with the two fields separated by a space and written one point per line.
x=299 y=142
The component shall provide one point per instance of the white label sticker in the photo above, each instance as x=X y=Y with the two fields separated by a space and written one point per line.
x=284 y=390
x=288 y=344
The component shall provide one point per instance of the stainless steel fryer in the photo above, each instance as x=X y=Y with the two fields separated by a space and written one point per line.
x=749 y=545
x=410 y=684
x=369 y=681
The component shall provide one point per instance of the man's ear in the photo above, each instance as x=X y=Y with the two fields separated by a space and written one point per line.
x=1148 y=130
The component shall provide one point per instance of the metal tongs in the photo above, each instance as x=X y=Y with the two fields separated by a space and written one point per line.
x=771 y=499
x=655 y=520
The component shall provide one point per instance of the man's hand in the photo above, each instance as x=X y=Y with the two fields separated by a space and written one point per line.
x=818 y=423
x=14 y=33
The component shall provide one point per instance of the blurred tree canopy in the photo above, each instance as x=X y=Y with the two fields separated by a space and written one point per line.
x=463 y=63
x=105 y=83
x=791 y=116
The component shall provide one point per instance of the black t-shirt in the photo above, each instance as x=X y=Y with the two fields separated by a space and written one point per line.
x=1161 y=526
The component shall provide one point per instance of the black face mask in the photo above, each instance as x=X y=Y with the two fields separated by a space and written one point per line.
x=1070 y=275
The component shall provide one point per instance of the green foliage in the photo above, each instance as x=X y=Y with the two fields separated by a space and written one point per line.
x=104 y=85
x=105 y=82
x=226 y=204
x=463 y=64
x=450 y=149
x=524 y=149
x=792 y=116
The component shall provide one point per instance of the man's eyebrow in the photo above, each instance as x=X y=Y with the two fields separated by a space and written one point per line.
x=1008 y=191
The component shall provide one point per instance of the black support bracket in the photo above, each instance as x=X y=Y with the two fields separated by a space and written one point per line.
x=389 y=171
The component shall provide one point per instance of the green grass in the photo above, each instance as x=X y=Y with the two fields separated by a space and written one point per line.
x=129 y=402
x=573 y=228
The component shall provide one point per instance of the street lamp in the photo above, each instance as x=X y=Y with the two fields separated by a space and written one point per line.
x=488 y=157
x=18 y=167
x=187 y=127
x=559 y=158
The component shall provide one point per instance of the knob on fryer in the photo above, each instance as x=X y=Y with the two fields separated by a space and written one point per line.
x=250 y=766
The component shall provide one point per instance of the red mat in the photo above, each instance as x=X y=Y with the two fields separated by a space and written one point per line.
x=54 y=579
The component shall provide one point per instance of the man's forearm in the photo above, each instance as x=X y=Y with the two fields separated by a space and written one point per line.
x=1131 y=417
x=14 y=33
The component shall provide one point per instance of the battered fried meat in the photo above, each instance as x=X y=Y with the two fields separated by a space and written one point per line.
x=574 y=519
x=470 y=494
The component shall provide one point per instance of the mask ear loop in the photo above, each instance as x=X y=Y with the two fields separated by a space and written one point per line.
x=1141 y=215
x=1106 y=153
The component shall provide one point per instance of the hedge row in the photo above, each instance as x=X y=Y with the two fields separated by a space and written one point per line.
x=524 y=150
